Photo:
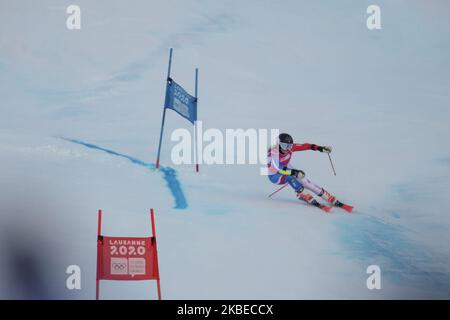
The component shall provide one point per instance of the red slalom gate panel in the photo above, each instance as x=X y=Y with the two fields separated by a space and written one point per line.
x=121 y=258
x=127 y=258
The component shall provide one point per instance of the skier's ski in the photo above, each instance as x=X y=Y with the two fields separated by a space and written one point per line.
x=323 y=207
x=344 y=206
x=347 y=208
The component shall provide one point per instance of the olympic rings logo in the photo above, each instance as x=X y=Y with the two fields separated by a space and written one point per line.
x=119 y=266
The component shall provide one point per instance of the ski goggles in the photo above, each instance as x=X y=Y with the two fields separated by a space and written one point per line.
x=286 y=146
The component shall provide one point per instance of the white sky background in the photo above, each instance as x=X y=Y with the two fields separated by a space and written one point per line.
x=311 y=68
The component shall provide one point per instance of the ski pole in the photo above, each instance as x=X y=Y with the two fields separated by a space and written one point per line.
x=329 y=157
x=277 y=190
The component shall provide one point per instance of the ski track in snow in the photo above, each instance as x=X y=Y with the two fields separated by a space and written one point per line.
x=371 y=240
x=370 y=236
x=169 y=174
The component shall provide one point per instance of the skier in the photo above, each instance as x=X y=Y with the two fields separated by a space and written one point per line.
x=280 y=172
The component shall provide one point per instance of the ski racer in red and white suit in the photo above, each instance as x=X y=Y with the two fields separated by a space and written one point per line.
x=280 y=172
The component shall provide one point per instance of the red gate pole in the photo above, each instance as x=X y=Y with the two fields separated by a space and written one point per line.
x=99 y=232
x=158 y=284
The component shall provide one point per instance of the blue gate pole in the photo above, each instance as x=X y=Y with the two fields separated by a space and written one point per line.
x=195 y=125
x=164 y=111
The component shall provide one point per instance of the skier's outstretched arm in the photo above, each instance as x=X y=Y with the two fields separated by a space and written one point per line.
x=310 y=146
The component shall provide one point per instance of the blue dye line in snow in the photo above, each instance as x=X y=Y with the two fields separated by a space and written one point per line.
x=170 y=175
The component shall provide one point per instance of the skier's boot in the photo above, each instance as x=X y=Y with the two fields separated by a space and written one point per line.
x=328 y=197
x=307 y=197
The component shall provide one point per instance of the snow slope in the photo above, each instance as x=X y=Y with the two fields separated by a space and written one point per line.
x=80 y=119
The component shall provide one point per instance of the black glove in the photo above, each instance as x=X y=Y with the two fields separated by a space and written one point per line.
x=324 y=149
x=297 y=173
